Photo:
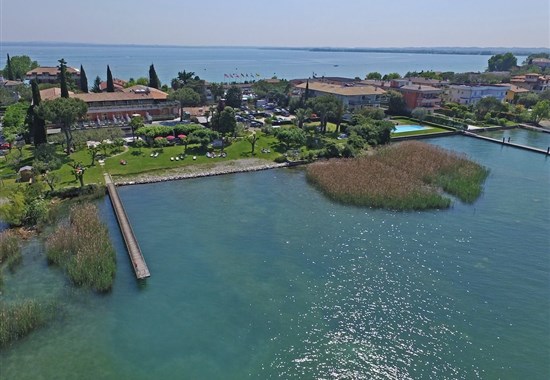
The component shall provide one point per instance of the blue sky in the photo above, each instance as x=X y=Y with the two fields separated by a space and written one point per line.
x=335 y=23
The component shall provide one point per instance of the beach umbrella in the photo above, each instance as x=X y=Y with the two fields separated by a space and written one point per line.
x=181 y=137
x=159 y=138
x=170 y=138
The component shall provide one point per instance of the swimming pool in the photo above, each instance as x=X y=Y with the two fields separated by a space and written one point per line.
x=409 y=128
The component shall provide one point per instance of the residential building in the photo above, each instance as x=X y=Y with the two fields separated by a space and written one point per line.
x=420 y=96
x=429 y=82
x=467 y=95
x=414 y=95
x=51 y=74
x=543 y=63
x=118 y=107
x=515 y=91
x=352 y=96
x=532 y=82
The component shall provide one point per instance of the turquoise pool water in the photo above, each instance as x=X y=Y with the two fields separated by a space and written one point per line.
x=409 y=128
x=259 y=276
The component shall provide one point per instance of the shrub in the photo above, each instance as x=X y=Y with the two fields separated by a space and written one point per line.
x=280 y=159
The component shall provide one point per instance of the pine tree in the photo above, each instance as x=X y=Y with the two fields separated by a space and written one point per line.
x=83 y=80
x=38 y=123
x=110 y=84
x=9 y=70
x=63 y=78
x=153 y=77
x=96 y=87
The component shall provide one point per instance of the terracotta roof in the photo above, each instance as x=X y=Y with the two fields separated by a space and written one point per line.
x=112 y=96
x=52 y=93
x=515 y=88
x=117 y=83
x=153 y=92
x=127 y=94
x=50 y=71
x=343 y=90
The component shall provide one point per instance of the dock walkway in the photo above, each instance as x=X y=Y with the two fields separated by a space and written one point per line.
x=138 y=262
x=503 y=142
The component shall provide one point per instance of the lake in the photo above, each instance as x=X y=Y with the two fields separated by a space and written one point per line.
x=259 y=276
x=211 y=63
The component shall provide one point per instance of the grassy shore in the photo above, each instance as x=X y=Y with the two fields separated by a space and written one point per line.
x=83 y=248
x=405 y=176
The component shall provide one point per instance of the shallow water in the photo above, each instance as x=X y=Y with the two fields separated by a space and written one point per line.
x=258 y=275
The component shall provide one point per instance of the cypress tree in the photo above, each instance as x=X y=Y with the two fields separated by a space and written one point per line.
x=38 y=124
x=63 y=78
x=110 y=84
x=83 y=80
x=307 y=91
x=153 y=78
x=9 y=69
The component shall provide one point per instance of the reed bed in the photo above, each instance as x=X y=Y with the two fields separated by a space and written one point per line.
x=10 y=250
x=405 y=176
x=19 y=319
x=83 y=248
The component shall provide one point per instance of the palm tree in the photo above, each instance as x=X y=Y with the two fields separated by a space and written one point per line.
x=301 y=116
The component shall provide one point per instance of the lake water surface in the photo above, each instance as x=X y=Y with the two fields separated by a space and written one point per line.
x=211 y=63
x=259 y=276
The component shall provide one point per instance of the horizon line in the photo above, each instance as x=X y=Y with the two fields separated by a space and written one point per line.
x=275 y=46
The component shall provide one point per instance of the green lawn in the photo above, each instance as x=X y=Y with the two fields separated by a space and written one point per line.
x=138 y=161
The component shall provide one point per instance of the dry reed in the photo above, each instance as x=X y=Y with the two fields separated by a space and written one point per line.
x=82 y=246
x=405 y=176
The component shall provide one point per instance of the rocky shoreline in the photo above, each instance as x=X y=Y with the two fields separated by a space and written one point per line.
x=228 y=167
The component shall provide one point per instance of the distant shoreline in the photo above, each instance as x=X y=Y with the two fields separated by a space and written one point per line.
x=404 y=50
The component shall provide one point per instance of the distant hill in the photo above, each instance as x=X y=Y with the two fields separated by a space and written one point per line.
x=433 y=50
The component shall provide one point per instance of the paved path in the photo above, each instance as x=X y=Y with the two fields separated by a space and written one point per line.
x=138 y=262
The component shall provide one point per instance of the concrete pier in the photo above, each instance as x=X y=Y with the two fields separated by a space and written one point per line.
x=138 y=262
x=503 y=142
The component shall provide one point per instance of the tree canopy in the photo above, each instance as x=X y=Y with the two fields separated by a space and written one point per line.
x=291 y=136
x=233 y=97
x=396 y=103
x=187 y=97
x=65 y=112
x=324 y=106
x=14 y=122
x=502 y=62
x=227 y=121
x=374 y=75
x=541 y=110
x=17 y=67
